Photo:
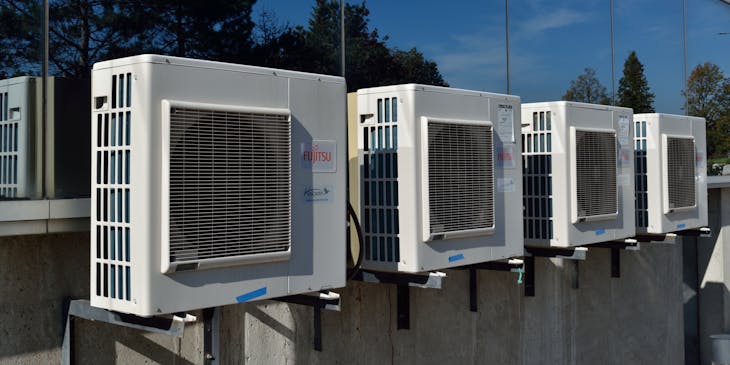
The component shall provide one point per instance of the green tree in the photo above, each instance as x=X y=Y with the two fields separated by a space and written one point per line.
x=82 y=32
x=212 y=29
x=369 y=61
x=587 y=89
x=633 y=88
x=708 y=96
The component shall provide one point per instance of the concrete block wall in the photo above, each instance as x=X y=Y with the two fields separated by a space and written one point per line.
x=635 y=319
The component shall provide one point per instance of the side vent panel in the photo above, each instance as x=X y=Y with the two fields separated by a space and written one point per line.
x=681 y=172
x=640 y=165
x=460 y=177
x=537 y=177
x=111 y=231
x=230 y=184
x=9 y=152
x=595 y=173
x=380 y=184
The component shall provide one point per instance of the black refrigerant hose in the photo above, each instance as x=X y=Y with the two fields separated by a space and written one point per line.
x=358 y=264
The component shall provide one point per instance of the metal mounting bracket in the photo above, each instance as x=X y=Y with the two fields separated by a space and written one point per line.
x=699 y=232
x=629 y=244
x=403 y=282
x=576 y=254
x=326 y=300
x=511 y=265
x=81 y=308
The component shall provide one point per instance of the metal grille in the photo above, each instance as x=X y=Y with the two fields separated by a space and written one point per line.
x=596 y=173
x=111 y=238
x=9 y=151
x=537 y=177
x=642 y=196
x=681 y=172
x=460 y=177
x=380 y=184
x=230 y=184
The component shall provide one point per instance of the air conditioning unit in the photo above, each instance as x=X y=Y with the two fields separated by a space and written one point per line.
x=439 y=172
x=214 y=184
x=21 y=139
x=578 y=173
x=670 y=158
x=16 y=118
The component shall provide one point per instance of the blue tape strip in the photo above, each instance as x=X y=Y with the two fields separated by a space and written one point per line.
x=251 y=295
x=600 y=232
x=681 y=225
x=456 y=257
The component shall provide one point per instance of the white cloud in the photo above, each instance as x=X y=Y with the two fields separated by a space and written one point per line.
x=560 y=18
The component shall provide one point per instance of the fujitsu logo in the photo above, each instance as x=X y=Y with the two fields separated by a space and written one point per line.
x=315 y=155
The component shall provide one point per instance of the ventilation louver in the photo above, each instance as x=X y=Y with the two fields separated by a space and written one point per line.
x=230 y=183
x=680 y=172
x=460 y=177
x=595 y=165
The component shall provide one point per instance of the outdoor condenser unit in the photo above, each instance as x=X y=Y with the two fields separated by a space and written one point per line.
x=578 y=173
x=213 y=184
x=671 y=175
x=66 y=142
x=439 y=175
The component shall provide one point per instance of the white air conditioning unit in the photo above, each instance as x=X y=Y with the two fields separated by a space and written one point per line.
x=439 y=172
x=671 y=173
x=66 y=143
x=214 y=184
x=17 y=180
x=578 y=173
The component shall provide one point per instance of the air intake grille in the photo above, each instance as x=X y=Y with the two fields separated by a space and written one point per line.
x=642 y=189
x=596 y=173
x=681 y=172
x=230 y=184
x=111 y=236
x=460 y=177
x=8 y=151
x=537 y=177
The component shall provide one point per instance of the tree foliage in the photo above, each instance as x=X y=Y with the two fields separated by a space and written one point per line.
x=587 y=89
x=368 y=59
x=633 y=88
x=708 y=96
x=83 y=32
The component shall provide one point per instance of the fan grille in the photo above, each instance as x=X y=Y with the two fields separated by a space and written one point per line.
x=596 y=173
x=681 y=172
x=460 y=177
x=230 y=184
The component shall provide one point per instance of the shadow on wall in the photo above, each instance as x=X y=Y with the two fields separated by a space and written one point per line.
x=37 y=273
x=633 y=319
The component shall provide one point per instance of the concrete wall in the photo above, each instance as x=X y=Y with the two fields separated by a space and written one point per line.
x=710 y=293
x=37 y=275
x=635 y=319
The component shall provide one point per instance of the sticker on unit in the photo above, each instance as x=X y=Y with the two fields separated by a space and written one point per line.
x=671 y=173
x=201 y=196
x=438 y=169
x=578 y=173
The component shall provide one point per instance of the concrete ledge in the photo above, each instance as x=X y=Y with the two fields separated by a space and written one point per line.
x=718 y=182
x=26 y=217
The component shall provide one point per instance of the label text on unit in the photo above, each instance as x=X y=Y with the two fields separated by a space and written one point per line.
x=319 y=156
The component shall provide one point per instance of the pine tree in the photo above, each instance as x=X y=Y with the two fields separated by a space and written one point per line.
x=633 y=88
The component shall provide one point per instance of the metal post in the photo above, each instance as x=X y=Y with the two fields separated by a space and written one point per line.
x=613 y=61
x=342 y=36
x=44 y=97
x=684 y=54
x=506 y=36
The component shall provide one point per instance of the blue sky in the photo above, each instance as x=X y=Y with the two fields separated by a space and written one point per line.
x=551 y=41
